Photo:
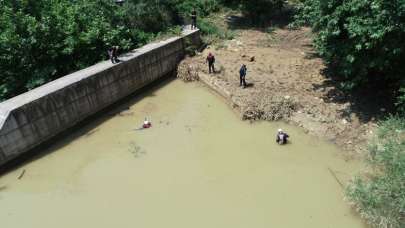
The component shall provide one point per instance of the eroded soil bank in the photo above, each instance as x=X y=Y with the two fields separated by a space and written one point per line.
x=198 y=166
x=286 y=80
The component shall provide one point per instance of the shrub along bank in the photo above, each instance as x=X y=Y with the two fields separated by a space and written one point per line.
x=379 y=195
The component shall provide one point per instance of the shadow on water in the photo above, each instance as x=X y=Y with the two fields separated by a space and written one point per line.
x=87 y=126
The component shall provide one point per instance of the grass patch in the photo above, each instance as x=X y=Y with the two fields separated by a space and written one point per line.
x=214 y=29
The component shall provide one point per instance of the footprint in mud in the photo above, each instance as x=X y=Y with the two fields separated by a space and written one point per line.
x=136 y=150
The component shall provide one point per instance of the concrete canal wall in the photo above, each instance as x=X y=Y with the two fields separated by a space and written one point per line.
x=35 y=117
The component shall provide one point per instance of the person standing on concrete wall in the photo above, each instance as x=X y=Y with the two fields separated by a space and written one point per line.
x=110 y=52
x=211 y=61
x=242 y=75
x=115 y=54
x=194 y=19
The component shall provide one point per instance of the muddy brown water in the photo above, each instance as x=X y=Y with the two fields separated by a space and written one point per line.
x=198 y=166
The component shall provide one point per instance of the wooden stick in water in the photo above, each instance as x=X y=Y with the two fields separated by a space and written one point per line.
x=334 y=175
x=21 y=175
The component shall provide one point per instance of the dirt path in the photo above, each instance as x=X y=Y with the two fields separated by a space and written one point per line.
x=285 y=82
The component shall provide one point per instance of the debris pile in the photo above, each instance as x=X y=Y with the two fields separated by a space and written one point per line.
x=187 y=71
x=266 y=107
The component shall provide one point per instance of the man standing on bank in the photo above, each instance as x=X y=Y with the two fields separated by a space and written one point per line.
x=242 y=75
x=194 y=19
x=211 y=61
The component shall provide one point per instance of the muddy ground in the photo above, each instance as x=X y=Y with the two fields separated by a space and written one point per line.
x=286 y=81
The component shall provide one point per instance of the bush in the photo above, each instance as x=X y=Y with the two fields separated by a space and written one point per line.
x=212 y=32
x=380 y=196
x=401 y=101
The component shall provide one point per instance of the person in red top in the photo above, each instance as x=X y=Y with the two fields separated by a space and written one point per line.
x=146 y=123
x=211 y=61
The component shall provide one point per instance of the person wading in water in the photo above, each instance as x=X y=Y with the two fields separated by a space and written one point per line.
x=281 y=137
x=146 y=124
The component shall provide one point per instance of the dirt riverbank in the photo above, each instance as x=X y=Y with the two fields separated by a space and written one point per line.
x=285 y=82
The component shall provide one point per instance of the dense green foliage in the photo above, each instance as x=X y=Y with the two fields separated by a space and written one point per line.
x=41 y=40
x=380 y=197
x=259 y=11
x=363 y=41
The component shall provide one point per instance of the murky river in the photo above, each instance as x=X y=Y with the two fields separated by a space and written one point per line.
x=198 y=166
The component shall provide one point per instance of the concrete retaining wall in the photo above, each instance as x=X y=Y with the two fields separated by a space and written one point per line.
x=40 y=114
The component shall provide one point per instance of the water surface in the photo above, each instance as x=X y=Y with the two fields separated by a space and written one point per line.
x=199 y=166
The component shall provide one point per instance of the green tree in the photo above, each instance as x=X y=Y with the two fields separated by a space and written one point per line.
x=259 y=11
x=363 y=41
x=41 y=40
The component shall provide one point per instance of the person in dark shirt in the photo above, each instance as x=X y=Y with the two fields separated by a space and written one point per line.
x=115 y=54
x=110 y=52
x=281 y=137
x=211 y=61
x=242 y=75
x=194 y=19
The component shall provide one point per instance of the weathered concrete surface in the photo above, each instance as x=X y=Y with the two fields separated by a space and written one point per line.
x=34 y=117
